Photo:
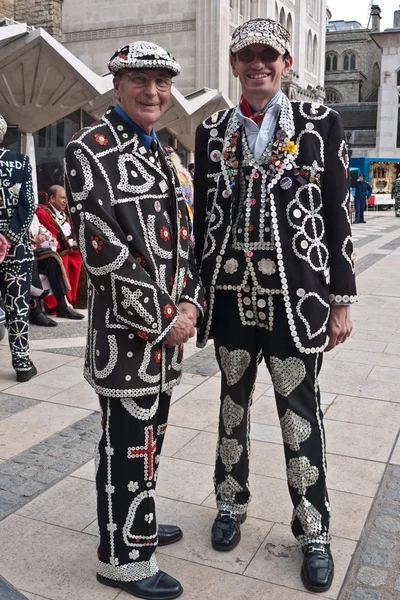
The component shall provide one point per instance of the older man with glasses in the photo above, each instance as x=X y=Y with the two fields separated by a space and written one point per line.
x=131 y=224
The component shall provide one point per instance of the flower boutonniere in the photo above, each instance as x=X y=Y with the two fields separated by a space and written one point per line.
x=291 y=147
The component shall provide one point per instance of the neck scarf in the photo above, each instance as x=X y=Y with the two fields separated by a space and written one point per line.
x=257 y=116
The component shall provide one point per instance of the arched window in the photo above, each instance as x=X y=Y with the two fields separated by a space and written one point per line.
x=276 y=11
x=315 y=55
x=328 y=63
x=398 y=77
x=331 y=62
x=309 y=52
x=376 y=76
x=289 y=24
x=282 y=18
x=332 y=97
x=349 y=61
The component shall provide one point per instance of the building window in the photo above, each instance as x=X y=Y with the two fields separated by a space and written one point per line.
x=331 y=62
x=315 y=55
x=289 y=24
x=398 y=120
x=332 y=97
x=282 y=18
x=398 y=78
x=349 y=61
x=309 y=54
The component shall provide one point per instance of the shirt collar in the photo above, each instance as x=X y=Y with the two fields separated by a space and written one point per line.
x=144 y=137
x=275 y=108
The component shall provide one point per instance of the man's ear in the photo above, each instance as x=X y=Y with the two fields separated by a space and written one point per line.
x=288 y=62
x=232 y=60
x=116 y=84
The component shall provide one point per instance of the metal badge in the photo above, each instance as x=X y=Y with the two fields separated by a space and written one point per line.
x=286 y=183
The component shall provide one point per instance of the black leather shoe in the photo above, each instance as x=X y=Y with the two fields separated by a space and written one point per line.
x=157 y=587
x=42 y=320
x=317 y=569
x=169 y=534
x=225 y=533
x=69 y=313
x=23 y=376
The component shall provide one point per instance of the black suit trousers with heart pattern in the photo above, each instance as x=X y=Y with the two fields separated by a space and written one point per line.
x=239 y=350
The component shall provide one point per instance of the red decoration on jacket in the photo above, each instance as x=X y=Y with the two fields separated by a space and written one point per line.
x=101 y=139
x=169 y=311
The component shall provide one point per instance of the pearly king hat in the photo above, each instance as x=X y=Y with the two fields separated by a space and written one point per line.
x=261 y=31
x=3 y=128
x=143 y=55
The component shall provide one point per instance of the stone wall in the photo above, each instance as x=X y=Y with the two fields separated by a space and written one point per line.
x=7 y=8
x=104 y=26
x=46 y=14
x=358 y=85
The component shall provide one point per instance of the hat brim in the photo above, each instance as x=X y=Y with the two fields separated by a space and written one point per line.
x=266 y=41
x=120 y=64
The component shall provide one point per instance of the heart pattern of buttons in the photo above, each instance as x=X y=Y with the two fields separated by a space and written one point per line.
x=232 y=414
x=234 y=364
x=287 y=374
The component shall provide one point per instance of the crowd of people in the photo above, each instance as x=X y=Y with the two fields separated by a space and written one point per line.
x=260 y=260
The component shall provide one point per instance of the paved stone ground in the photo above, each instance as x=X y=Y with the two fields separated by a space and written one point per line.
x=48 y=428
x=374 y=573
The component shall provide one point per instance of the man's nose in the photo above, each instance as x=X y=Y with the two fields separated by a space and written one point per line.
x=150 y=88
x=258 y=62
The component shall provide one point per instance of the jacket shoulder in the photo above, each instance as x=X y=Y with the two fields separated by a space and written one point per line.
x=13 y=155
x=317 y=113
x=217 y=118
x=96 y=136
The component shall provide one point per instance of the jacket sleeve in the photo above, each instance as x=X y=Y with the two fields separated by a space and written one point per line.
x=24 y=210
x=136 y=301
x=200 y=192
x=336 y=198
x=193 y=291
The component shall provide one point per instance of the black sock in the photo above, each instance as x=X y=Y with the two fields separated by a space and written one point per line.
x=61 y=302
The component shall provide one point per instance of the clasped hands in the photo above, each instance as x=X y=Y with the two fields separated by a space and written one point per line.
x=185 y=326
x=4 y=247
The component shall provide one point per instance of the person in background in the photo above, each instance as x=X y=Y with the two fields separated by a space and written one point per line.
x=191 y=170
x=17 y=207
x=396 y=195
x=362 y=191
x=49 y=263
x=185 y=181
x=54 y=218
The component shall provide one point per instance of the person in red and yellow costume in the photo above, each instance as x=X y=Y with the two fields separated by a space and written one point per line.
x=56 y=220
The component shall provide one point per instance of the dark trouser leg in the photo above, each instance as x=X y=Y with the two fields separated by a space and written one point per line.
x=357 y=206
x=237 y=351
x=128 y=454
x=297 y=394
x=51 y=268
x=16 y=283
x=362 y=208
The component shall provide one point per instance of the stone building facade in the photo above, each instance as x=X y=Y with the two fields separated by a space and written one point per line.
x=353 y=61
x=43 y=13
x=198 y=34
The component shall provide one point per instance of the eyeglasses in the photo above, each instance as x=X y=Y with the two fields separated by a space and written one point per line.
x=266 y=56
x=140 y=80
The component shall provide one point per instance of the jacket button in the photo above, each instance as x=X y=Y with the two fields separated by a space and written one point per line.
x=301 y=293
